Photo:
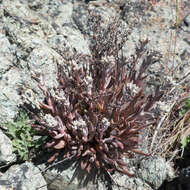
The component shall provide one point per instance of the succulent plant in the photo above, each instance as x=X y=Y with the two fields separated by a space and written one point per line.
x=99 y=110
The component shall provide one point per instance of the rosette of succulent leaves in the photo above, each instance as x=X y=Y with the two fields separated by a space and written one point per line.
x=101 y=108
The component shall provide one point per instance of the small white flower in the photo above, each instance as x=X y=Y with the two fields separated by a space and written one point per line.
x=50 y=120
x=79 y=124
x=105 y=122
x=134 y=89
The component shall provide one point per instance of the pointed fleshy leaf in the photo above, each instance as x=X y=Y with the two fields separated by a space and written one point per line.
x=61 y=144
x=139 y=152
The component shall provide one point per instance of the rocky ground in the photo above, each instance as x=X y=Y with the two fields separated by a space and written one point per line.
x=34 y=34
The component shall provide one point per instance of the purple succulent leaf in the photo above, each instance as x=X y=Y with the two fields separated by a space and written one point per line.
x=85 y=134
x=121 y=162
x=50 y=143
x=120 y=144
x=125 y=171
x=83 y=164
x=46 y=107
x=92 y=130
x=60 y=144
x=152 y=99
x=87 y=152
x=139 y=152
x=57 y=136
x=52 y=158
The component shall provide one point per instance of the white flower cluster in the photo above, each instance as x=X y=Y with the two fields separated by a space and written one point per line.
x=105 y=122
x=52 y=122
x=88 y=80
x=79 y=124
x=134 y=89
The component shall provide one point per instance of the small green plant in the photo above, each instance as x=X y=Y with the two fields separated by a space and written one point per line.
x=186 y=137
x=184 y=141
x=186 y=107
x=22 y=136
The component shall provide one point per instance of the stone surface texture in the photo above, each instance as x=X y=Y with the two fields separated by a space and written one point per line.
x=23 y=177
x=34 y=36
x=6 y=150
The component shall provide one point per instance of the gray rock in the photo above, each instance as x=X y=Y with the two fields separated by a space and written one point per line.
x=131 y=183
x=60 y=176
x=187 y=20
x=8 y=96
x=60 y=180
x=5 y=54
x=69 y=38
x=31 y=35
x=154 y=171
x=150 y=173
x=83 y=20
x=41 y=61
x=6 y=150
x=23 y=177
x=156 y=23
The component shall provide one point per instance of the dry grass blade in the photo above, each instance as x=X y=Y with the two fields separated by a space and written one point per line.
x=171 y=130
